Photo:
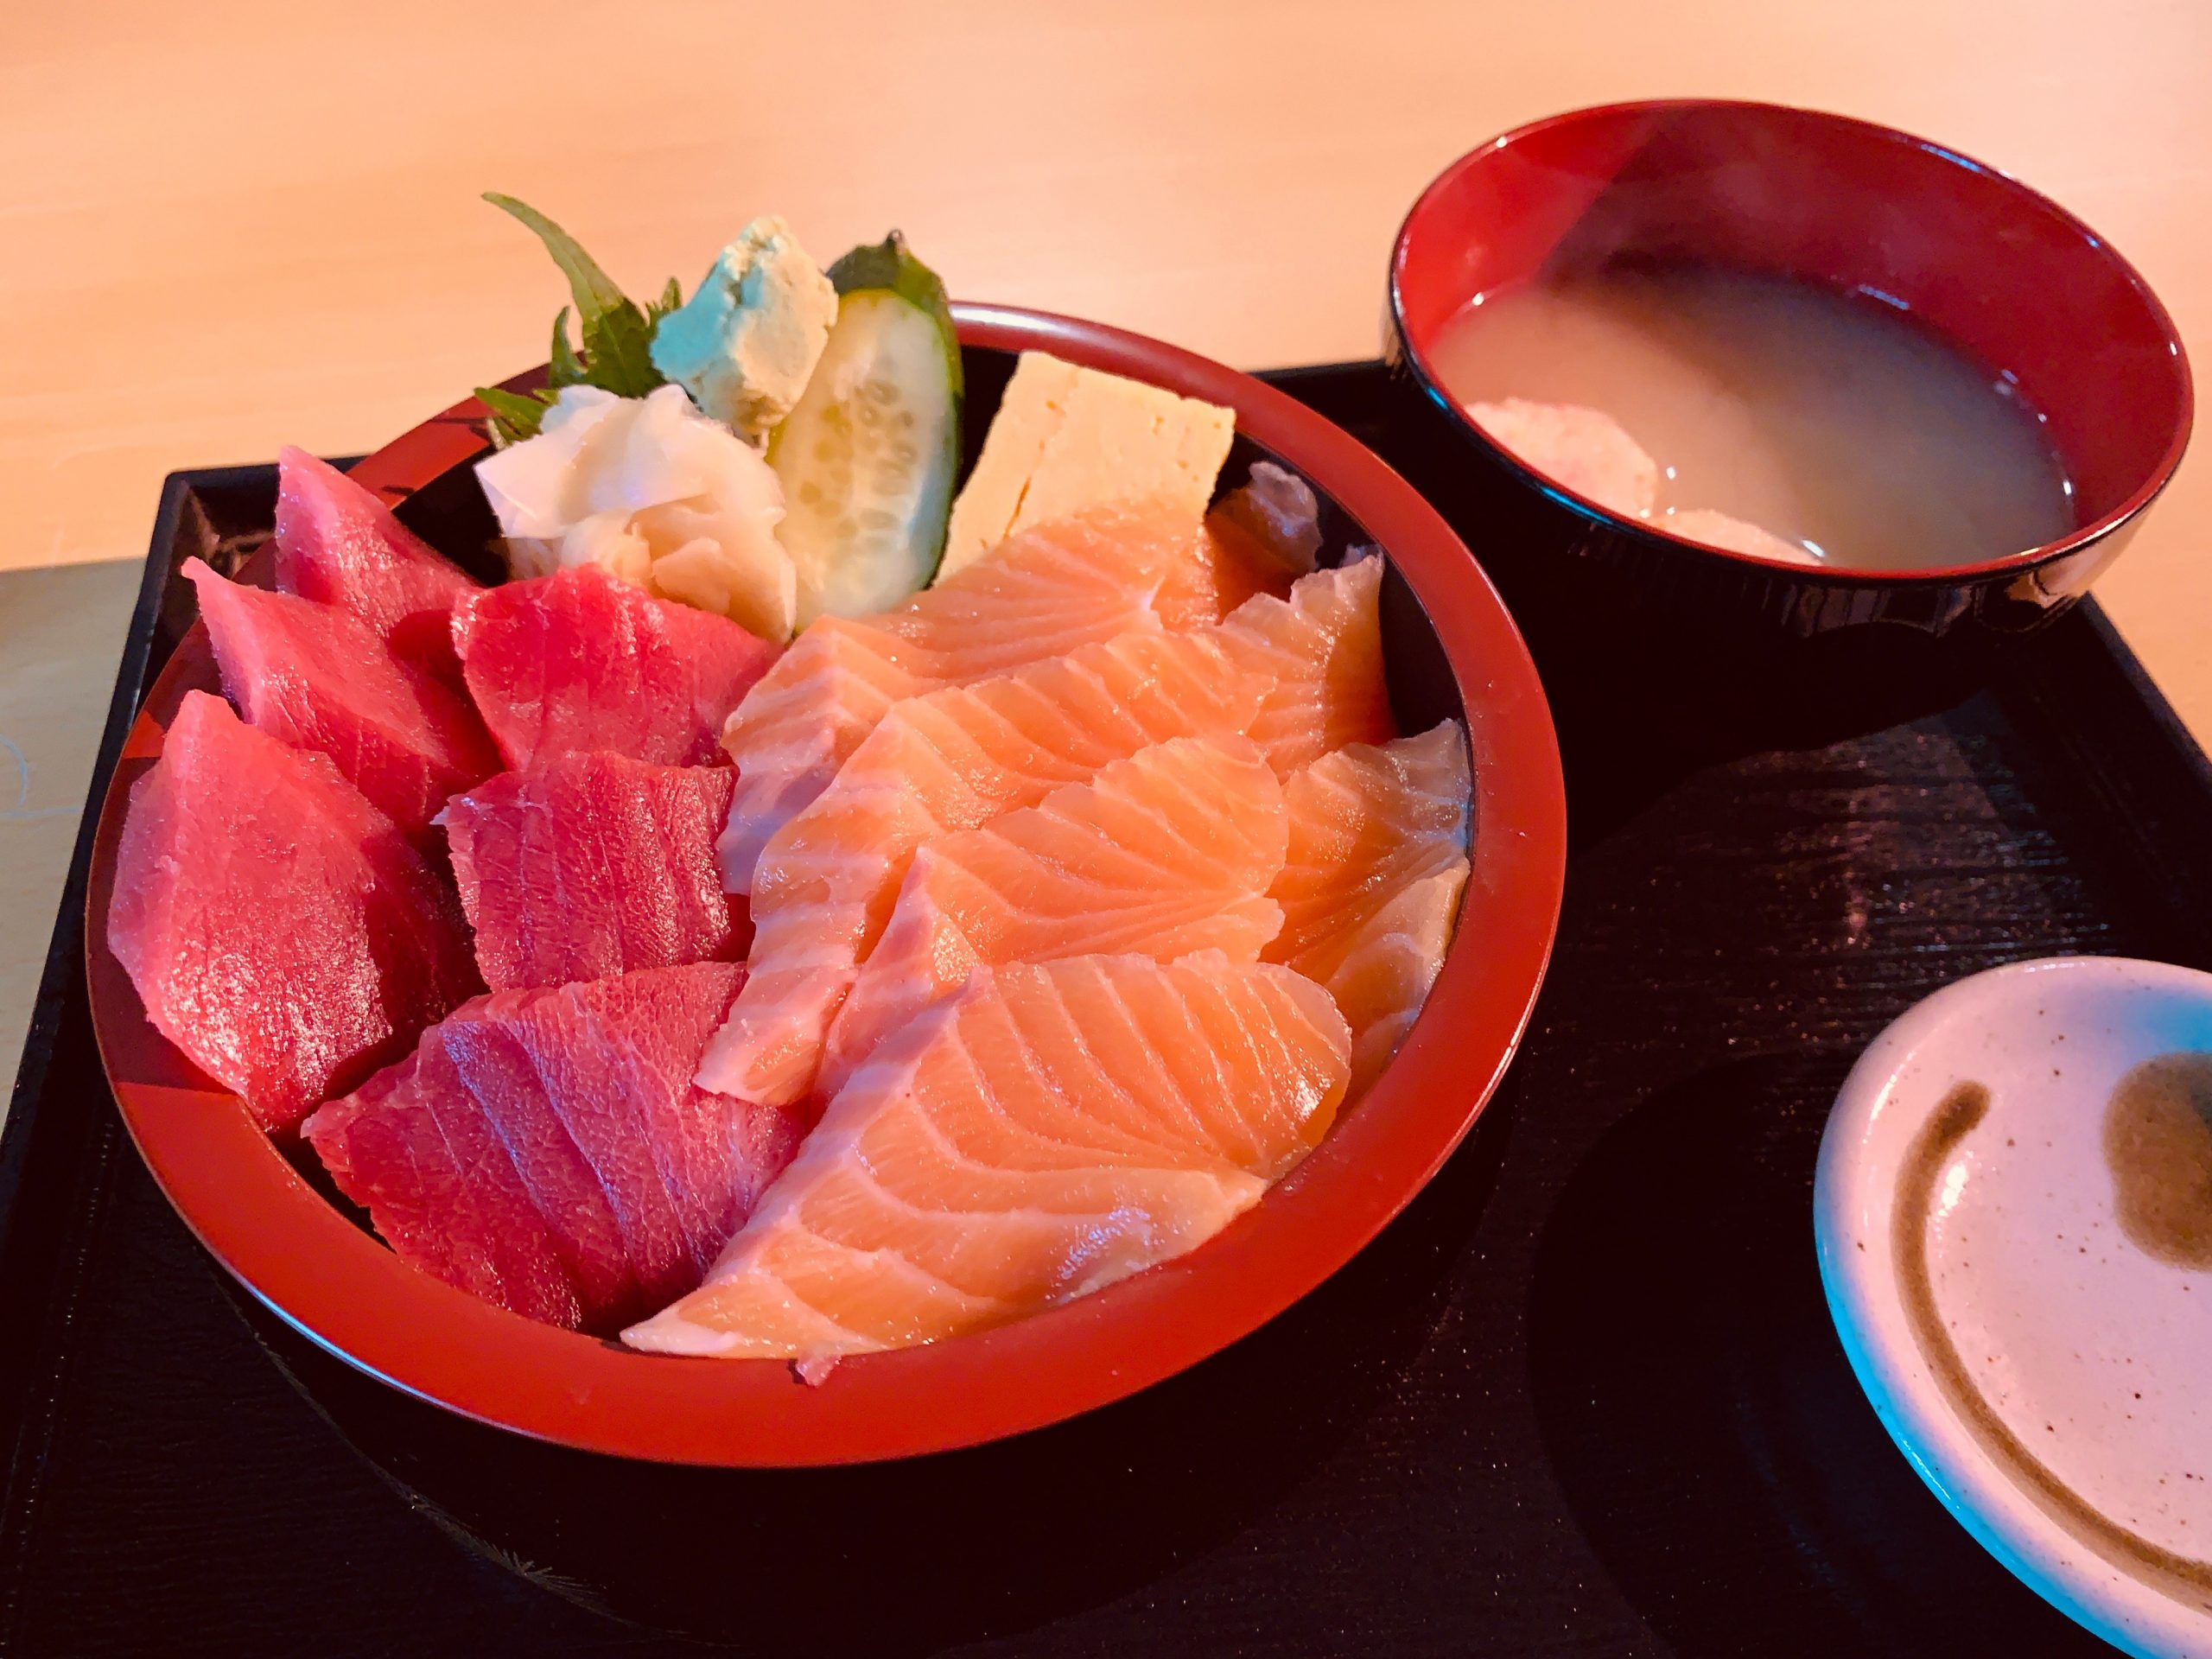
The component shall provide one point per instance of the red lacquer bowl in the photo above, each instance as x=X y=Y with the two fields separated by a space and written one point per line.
x=1454 y=651
x=2006 y=275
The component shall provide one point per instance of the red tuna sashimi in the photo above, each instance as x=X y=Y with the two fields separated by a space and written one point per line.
x=592 y=865
x=314 y=676
x=579 y=660
x=547 y=1150
x=280 y=929
x=337 y=544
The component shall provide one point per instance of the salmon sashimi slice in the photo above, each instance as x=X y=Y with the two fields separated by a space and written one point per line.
x=1385 y=967
x=1377 y=862
x=1276 y=512
x=1046 y=591
x=1163 y=854
x=825 y=885
x=545 y=1149
x=1324 y=651
x=937 y=765
x=1047 y=1130
x=1256 y=540
x=1231 y=565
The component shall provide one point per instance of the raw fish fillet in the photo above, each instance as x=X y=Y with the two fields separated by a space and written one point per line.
x=337 y=544
x=314 y=676
x=281 y=931
x=1325 y=650
x=1046 y=592
x=952 y=760
x=579 y=661
x=1384 y=968
x=1046 y=1131
x=1297 y=671
x=1376 y=865
x=1169 y=851
x=591 y=865
x=545 y=1149
x=1276 y=513
x=1230 y=566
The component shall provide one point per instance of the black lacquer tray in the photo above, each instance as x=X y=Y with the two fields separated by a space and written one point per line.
x=1582 y=1398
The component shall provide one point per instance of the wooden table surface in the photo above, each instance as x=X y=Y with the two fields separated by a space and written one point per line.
x=235 y=226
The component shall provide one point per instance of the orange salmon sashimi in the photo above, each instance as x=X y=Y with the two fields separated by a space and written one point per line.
x=1051 y=1128
x=1325 y=650
x=1387 y=964
x=825 y=885
x=1047 y=591
x=936 y=765
x=1167 y=853
x=1231 y=565
x=1376 y=865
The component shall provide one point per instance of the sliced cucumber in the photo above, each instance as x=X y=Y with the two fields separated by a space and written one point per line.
x=867 y=456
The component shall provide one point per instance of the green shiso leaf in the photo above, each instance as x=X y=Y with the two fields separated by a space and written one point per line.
x=616 y=353
x=515 y=415
x=618 y=349
x=595 y=289
x=563 y=368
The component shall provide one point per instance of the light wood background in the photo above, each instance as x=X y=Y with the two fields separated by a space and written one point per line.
x=229 y=226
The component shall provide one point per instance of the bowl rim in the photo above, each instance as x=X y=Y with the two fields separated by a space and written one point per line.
x=344 y=1290
x=1414 y=356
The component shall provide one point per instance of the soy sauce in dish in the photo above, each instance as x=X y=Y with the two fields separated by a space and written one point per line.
x=2159 y=1143
x=1837 y=422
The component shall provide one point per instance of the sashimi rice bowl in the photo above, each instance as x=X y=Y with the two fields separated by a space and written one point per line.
x=783 y=909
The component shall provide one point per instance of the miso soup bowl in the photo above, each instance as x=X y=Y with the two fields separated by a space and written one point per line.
x=2002 y=275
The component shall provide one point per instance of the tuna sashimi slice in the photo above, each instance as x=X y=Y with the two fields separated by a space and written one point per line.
x=314 y=676
x=948 y=761
x=546 y=1150
x=590 y=865
x=1163 y=854
x=1377 y=862
x=1046 y=1131
x=411 y=1146
x=1042 y=594
x=1324 y=651
x=337 y=544
x=579 y=661
x=280 y=931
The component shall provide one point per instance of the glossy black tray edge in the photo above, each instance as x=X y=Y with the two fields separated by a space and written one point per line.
x=2088 y=703
x=61 y=1137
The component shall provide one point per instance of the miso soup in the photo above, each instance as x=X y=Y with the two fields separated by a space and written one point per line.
x=1835 y=421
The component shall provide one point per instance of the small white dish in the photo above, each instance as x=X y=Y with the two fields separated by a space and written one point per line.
x=2025 y=1289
